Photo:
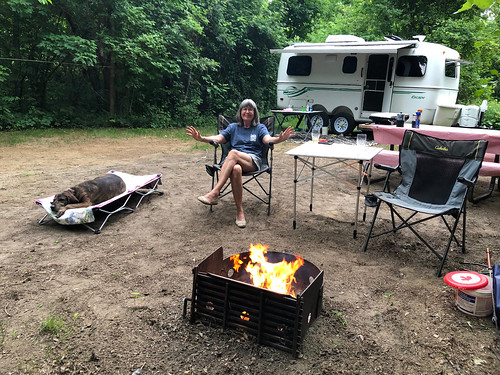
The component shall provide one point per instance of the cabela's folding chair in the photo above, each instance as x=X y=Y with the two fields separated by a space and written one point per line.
x=263 y=193
x=436 y=175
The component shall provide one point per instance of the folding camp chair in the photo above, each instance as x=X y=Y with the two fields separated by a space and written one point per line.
x=263 y=193
x=436 y=175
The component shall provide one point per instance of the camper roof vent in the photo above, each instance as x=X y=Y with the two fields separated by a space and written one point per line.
x=392 y=37
x=343 y=39
x=420 y=38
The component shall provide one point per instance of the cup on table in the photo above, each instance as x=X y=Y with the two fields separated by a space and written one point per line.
x=361 y=140
x=315 y=133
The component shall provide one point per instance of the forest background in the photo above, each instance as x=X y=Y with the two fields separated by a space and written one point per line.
x=163 y=64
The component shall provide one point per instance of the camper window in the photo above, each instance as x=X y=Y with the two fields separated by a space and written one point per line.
x=350 y=64
x=450 y=68
x=411 y=66
x=299 y=66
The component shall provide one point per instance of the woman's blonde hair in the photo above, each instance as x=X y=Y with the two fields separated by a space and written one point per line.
x=248 y=103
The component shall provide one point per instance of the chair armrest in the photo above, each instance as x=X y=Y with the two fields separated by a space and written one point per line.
x=466 y=181
x=387 y=168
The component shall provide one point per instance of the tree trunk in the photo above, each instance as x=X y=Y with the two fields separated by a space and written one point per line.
x=112 y=94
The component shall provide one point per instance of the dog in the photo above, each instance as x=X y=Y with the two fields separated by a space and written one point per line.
x=88 y=193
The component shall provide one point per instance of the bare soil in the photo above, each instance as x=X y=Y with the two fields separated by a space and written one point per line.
x=118 y=296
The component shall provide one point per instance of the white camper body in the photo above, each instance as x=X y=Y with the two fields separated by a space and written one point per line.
x=350 y=79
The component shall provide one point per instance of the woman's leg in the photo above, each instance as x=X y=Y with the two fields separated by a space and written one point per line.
x=233 y=158
x=237 y=186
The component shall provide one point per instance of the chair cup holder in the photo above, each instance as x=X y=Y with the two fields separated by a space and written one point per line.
x=370 y=200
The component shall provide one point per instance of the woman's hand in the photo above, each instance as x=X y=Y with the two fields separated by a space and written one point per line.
x=195 y=134
x=286 y=134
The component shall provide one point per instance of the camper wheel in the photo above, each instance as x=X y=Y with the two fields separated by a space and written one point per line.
x=320 y=119
x=342 y=123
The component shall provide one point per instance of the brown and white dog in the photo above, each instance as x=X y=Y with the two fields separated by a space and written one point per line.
x=88 y=193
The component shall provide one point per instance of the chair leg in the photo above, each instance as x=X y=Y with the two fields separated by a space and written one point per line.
x=214 y=177
x=269 y=195
x=368 y=236
x=445 y=254
x=464 y=215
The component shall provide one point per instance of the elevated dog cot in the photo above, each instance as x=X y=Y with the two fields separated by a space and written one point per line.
x=139 y=186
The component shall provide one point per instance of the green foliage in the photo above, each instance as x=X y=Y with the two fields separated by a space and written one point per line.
x=491 y=117
x=483 y=4
x=151 y=64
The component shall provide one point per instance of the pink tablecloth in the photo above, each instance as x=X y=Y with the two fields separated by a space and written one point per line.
x=392 y=135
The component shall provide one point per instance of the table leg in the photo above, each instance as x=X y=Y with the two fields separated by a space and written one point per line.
x=295 y=195
x=312 y=183
x=308 y=131
x=360 y=181
x=280 y=124
x=479 y=198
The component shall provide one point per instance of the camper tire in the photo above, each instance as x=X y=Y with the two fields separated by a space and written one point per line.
x=322 y=118
x=342 y=123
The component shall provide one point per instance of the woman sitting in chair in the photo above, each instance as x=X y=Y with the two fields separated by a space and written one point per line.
x=247 y=138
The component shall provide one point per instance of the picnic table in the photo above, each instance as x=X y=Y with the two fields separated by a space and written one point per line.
x=393 y=135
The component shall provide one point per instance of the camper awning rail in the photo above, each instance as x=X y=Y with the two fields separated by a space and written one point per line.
x=330 y=48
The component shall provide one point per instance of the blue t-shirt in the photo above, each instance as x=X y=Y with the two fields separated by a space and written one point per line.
x=243 y=139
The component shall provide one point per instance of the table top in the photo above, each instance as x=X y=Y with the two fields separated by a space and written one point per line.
x=393 y=135
x=335 y=151
x=294 y=112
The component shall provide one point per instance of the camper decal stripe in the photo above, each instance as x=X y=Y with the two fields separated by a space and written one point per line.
x=293 y=91
x=408 y=92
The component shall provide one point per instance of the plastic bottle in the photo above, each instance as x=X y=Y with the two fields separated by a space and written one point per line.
x=417 y=121
x=414 y=120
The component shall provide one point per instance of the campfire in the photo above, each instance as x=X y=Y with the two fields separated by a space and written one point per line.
x=277 y=277
x=270 y=295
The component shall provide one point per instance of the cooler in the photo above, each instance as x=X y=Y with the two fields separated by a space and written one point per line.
x=469 y=117
x=447 y=114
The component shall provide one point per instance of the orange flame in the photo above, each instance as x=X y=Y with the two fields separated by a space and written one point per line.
x=237 y=262
x=277 y=277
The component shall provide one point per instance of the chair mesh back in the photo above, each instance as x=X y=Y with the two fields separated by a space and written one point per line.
x=434 y=178
x=430 y=167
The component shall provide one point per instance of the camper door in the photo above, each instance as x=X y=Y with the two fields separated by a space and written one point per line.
x=377 y=91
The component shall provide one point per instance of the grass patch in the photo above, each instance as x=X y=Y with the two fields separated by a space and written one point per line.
x=52 y=326
x=12 y=138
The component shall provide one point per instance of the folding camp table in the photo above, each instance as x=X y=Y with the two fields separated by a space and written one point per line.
x=307 y=153
x=282 y=114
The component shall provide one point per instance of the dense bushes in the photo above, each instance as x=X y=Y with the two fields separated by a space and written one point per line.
x=131 y=63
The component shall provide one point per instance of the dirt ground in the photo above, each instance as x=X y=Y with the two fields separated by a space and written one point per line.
x=73 y=302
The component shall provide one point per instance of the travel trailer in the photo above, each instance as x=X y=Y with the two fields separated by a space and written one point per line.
x=351 y=80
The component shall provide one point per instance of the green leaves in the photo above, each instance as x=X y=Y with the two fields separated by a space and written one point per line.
x=69 y=48
x=482 y=4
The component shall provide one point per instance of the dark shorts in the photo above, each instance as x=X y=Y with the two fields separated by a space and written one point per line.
x=256 y=160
